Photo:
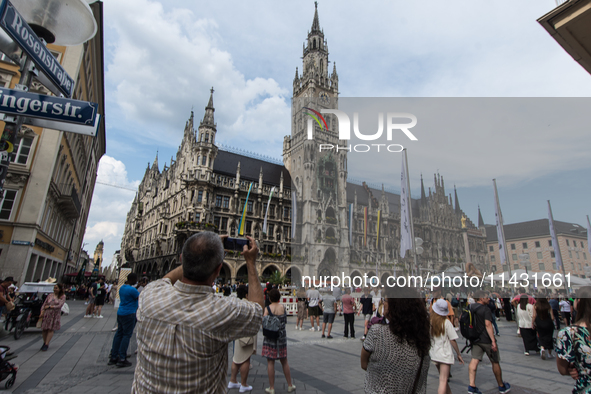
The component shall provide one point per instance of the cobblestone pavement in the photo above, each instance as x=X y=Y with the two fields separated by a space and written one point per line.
x=76 y=362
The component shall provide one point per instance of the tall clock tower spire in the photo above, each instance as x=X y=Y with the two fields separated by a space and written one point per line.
x=319 y=178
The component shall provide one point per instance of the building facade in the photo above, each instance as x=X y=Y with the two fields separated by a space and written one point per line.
x=52 y=173
x=529 y=245
x=205 y=188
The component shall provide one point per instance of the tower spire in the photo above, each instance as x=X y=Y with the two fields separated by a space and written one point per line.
x=423 y=195
x=315 y=23
x=480 y=220
x=457 y=201
x=209 y=110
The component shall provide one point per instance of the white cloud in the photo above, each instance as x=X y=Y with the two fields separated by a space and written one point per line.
x=165 y=61
x=110 y=206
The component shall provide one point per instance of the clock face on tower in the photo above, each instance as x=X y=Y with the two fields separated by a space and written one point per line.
x=324 y=99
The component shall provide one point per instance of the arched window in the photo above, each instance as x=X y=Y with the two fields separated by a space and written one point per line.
x=314 y=44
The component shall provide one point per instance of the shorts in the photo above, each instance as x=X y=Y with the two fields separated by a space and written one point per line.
x=99 y=301
x=367 y=316
x=479 y=349
x=313 y=311
x=328 y=318
x=90 y=299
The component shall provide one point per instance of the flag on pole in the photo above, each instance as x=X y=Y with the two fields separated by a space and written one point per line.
x=378 y=237
x=405 y=220
x=554 y=239
x=267 y=210
x=588 y=234
x=500 y=232
x=365 y=226
x=294 y=214
x=350 y=224
x=243 y=218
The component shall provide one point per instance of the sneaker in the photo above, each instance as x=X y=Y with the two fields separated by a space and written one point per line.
x=269 y=390
x=543 y=354
x=112 y=361
x=291 y=388
x=234 y=385
x=123 y=363
x=317 y=328
x=352 y=336
x=526 y=353
x=329 y=337
x=498 y=334
x=474 y=390
x=312 y=329
x=323 y=336
x=505 y=388
x=99 y=317
x=86 y=303
x=244 y=389
x=296 y=326
x=114 y=329
x=87 y=316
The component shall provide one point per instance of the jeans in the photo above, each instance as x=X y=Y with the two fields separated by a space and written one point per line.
x=125 y=326
x=349 y=320
x=494 y=323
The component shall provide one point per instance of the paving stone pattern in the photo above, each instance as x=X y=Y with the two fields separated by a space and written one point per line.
x=76 y=362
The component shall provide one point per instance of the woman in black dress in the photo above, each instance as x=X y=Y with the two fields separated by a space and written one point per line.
x=507 y=307
x=544 y=322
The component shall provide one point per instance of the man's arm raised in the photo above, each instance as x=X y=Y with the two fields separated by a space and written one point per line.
x=255 y=291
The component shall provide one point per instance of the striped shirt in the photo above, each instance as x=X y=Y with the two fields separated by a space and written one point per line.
x=183 y=333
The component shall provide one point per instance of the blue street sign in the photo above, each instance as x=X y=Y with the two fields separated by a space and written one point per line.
x=18 y=102
x=17 y=28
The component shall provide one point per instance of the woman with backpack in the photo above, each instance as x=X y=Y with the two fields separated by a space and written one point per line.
x=276 y=349
x=443 y=339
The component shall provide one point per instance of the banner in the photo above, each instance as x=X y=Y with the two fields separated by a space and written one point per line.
x=243 y=218
x=500 y=231
x=267 y=210
x=350 y=224
x=554 y=239
x=294 y=215
x=405 y=214
x=378 y=237
x=365 y=226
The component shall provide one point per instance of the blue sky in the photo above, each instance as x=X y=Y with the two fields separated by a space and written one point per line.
x=161 y=59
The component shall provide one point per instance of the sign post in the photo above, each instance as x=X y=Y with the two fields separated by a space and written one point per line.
x=38 y=110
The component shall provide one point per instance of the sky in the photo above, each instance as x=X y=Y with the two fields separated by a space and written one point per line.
x=163 y=57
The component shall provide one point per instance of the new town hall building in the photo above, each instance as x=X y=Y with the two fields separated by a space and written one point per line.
x=205 y=188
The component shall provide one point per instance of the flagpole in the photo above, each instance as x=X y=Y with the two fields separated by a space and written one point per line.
x=409 y=200
x=556 y=245
x=501 y=227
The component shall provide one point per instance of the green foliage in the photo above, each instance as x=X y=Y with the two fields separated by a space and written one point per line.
x=277 y=279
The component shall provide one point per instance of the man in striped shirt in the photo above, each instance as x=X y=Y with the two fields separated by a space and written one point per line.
x=183 y=329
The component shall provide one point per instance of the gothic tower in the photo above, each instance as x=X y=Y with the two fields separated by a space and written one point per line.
x=98 y=255
x=319 y=178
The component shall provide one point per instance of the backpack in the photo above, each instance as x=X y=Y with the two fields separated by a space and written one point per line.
x=455 y=302
x=468 y=325
x=271 y=325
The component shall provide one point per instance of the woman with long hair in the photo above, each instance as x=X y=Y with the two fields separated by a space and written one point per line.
x=525 y=312
x=51 y=313
x=243 y=349
x=573 y=343
x=276 y=349
x=543 y=319
x=396 y=354
x=443 y=339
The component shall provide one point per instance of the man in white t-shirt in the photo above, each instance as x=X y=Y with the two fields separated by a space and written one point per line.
x=314 y=298
x=565 y=311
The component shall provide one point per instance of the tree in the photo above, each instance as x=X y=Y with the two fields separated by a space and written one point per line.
x=277 y=279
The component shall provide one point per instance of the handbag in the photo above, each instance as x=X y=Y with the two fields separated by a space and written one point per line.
x=10 y=306
x=271 y=325
x=246 y=341
x=39 y=322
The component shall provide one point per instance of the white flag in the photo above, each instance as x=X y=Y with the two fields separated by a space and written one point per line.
x=350 y=224
x=294 y=214
x=588 y=234
x=405 y=225
x=500 y=233
x=267 y=210
x=554 y=239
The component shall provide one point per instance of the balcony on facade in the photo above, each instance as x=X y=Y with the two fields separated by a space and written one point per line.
x=67 y=199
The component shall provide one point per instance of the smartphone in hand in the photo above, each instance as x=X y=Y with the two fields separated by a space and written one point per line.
x=236 y=244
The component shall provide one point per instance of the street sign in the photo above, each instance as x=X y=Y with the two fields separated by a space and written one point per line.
x=17 y=28
x=71 y=127
x=524 y=257
x=22 y=103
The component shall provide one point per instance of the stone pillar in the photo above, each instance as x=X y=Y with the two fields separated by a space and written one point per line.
x=466 y=247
